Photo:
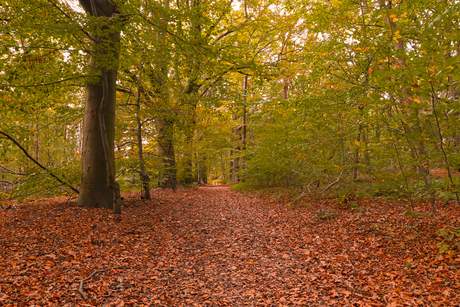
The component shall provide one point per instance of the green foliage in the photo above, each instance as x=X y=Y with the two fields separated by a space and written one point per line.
x=219 y=181
x=340 y=95
x=40 y=184
x=242 y=186
x=411 y=213
x=450 y=239
x=326 y=214
x=40 y=66
x=374 y=112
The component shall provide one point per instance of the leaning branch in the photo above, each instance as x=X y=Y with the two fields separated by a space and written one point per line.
x=333 y=183
x=126 y=90
x=2 y=86
x=38 y=163
x=69 y=17
x=10 y=171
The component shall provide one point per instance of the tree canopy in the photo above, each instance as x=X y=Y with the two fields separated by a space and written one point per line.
x=314 y=95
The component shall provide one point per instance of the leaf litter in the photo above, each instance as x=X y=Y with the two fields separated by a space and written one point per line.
x=214 y=247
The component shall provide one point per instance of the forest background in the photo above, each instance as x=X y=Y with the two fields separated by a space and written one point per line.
x=349 y=98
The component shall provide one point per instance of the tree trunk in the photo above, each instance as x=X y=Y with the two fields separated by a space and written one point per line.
x=400 y=45
x=356 y=154
x=94 y=191
x=202 y=170
x=145 y=178
x=190 y=92
x=37 y=141
x=166 y=153
x=285 y=88
x=236 y=150
x=243 y=124
x=230 y=172
x=188 y=176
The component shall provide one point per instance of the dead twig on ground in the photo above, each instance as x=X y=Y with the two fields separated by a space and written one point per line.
x=82 y=282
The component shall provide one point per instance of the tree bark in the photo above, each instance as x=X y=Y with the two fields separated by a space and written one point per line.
x=285 y=88
x=236 y=150
x=244 y=121
x=202 y=170
x=166 y=153
x=145 y=178
x=188 y=176
x=95 y=190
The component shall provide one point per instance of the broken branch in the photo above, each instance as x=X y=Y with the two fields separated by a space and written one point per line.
x=82 y=282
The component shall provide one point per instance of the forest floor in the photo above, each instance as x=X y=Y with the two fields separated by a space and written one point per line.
x=214 y=247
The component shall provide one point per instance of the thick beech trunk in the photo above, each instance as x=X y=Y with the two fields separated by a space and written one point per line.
x=95 y=190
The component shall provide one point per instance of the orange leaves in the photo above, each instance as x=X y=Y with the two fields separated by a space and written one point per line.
x=397 y=36
x=213 y=247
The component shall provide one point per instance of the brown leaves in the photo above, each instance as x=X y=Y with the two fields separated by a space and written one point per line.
x=213 y=247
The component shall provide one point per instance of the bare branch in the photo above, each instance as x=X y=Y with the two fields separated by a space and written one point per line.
x=10 y=171
x=38 y=163
x=333 y=183
x=2 y=86
x=82 y=282
x=126 y=90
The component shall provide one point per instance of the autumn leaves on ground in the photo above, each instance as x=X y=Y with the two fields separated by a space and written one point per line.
x=215 y=247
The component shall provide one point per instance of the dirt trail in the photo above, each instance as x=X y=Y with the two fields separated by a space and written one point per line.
x=214 y=247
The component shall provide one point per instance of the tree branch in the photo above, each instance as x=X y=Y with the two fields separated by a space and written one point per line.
x=2 y=86
x=126 y=90
x=333 y=183
x=10 y=171
x=38 y=163
x=82 y=282
x=67 y=16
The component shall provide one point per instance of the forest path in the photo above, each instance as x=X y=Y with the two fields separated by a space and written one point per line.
x=214 y=247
